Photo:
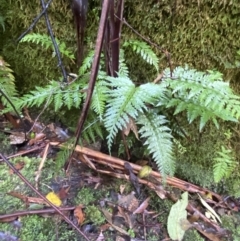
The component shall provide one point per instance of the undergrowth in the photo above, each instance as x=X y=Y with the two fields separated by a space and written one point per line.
x=117 y=102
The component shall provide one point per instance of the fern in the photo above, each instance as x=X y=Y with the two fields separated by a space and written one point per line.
x=92 y=128
x=46 y=42
x=158 y=140
x=87 y=63
x=126 y=100
x=68 y=96
x=7 y=82
x=224 y=164
x=144 y=50
x=99 y=99
x=203 y=95
x=123 y=69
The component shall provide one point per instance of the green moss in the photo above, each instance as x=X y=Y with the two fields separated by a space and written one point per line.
x=232 y=223
x=39 y=228
x=94 y=215
x=85 y=196
x=191 y=235
x=12 y=183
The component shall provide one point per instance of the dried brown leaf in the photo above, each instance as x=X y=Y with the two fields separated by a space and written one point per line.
x=78 y=213
x=142 y=207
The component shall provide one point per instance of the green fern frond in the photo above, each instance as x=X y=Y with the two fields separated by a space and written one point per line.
x=7 y=82
x=40 y=95
x=201 y=94
x=158 y=141
x=92 y=128
x=68 y=96
x=99 y=99
x=64 y=154
x=123 y=69
x=87 y=63
x=46 y=42
x=127 y=100
x=144 y=50
x=224 y=164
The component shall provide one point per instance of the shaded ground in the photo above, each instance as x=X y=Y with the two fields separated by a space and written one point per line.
x=102 y=196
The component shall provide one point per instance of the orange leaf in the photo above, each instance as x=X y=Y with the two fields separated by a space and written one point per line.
x=18 y=166
x=78 y=213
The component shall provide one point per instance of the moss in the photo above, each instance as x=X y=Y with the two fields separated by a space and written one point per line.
x=12 y=183
x=39 y=228
x=94 y=215
x=191 y=235
x=85 y=196
x=232 y=223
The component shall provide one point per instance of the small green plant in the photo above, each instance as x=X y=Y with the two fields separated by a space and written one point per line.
x=224 y=164
x=7 y=82
x=201 y=95
x=46 y=42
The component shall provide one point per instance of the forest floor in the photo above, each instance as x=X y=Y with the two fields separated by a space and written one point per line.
x=98 y=196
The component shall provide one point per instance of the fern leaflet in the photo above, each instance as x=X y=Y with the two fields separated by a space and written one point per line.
x=224 y=164
x=203 y=95
x=126 y=100
x=46 y=42
x=158 y=141
x=144 y=50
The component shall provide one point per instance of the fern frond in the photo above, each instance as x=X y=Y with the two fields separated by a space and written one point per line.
x=99 y=99
x=203 y=95
x=158 y=141
x=46 y=42
x=92 y=128
x=7 y=82
x=60 y=96
x=87 y=63
x=224 y=164
x=144 y=50
x=123 y=69
x=127 y=100
x=38 y=96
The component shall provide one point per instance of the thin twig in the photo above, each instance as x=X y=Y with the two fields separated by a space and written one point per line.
x=43 y=197
x=35 y=21
x=12 y=216
x=41 y=165
x=56 y=49
x=93 y=76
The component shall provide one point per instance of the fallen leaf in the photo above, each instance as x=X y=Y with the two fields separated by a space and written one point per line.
x=131 y=125
x=19 y=166
x=80 y=216
x=100 y=237
x=128 y=202
x=54 y=199
x=63 y=193
x=210 y=209
x=142 y=207
x=17 y=138
x=108 y=217
x=38 y=137
x=145 y=171
x=176 y=216
x=122 y=187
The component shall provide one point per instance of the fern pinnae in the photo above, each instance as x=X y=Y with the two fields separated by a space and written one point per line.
x=87 y=62
x=144 y=50
x=46 y=42
x=158 y=141
x=99 y=98
x=224 y=164
x=203 y=95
